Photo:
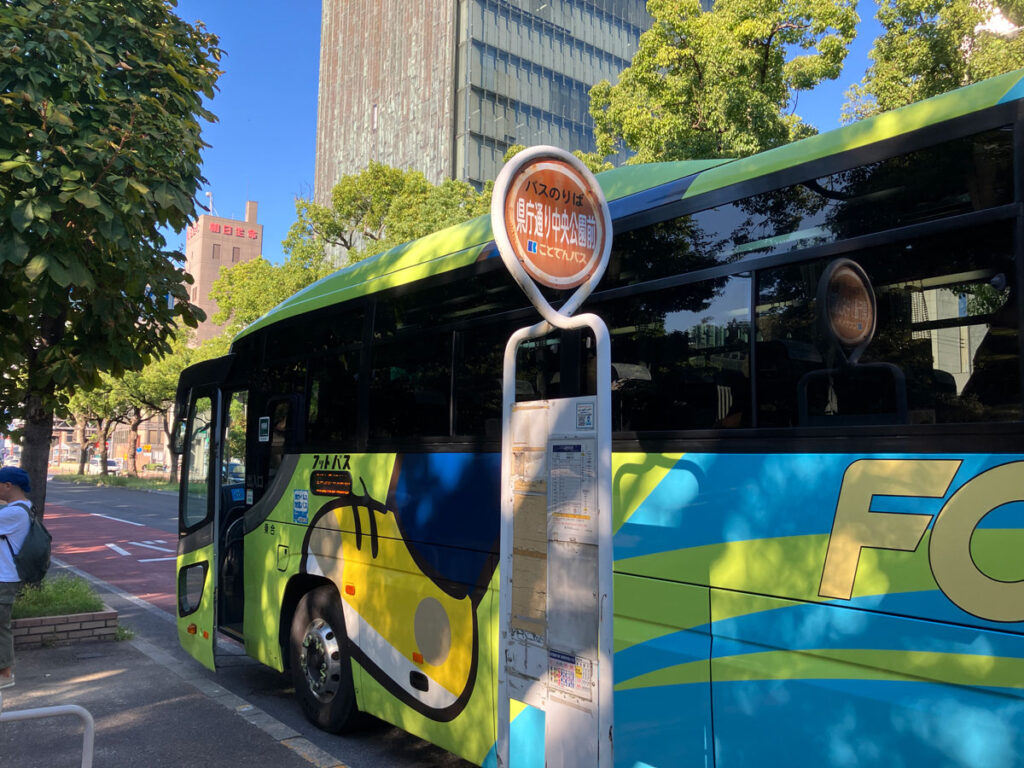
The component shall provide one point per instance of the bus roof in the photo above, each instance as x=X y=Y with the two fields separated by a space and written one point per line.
x=465 y=243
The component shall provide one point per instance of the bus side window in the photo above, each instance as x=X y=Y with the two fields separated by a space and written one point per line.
x=197 y=464
x=681 y=356
x=410 y=386
x=333 y=403
x=278 y=433
x=947 y=318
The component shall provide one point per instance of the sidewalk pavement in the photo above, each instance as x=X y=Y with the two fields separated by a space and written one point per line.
x=150 y=709
x=145 y=714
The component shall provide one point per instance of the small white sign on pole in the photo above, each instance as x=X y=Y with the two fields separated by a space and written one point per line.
x=552 y=226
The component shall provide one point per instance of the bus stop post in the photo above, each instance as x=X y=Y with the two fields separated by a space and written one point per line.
x=553 y=228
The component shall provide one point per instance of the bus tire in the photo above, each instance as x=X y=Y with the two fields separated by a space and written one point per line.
x=320 y=666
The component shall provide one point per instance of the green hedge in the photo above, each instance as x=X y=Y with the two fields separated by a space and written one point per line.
x=57 y=596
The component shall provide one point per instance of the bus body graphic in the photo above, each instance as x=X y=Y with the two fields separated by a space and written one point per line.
x=391 y=621
x=817 y=529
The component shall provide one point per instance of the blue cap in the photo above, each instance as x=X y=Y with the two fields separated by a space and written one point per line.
x=15 y=476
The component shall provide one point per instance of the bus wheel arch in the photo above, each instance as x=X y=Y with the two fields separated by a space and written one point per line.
x=297 y=587
x=319 y=661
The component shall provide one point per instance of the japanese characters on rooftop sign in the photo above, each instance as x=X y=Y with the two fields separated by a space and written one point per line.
x=551 y=224
x=224 y=229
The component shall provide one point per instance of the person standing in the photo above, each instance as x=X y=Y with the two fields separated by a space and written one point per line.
x=14 y=525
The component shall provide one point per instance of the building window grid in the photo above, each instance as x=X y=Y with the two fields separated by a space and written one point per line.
x=508 y=106
x=541 y=117
x=492 y=72
x=593 y=10
x=573 y=93
x=491 y=32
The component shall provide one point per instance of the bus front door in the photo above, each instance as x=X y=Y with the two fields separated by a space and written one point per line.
x=199 y=441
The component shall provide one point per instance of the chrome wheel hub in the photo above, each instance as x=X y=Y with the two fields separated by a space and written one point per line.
x=320 y=659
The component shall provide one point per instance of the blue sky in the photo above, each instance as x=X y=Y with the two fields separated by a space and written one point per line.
x=263 y=146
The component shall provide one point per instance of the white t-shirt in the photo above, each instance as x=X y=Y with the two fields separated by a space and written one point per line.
x=14 y=524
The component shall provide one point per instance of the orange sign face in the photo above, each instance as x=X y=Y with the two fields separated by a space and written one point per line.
x=555 y=223
x=850 y=307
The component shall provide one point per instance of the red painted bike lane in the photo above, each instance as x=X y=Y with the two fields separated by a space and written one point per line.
x=129 y=555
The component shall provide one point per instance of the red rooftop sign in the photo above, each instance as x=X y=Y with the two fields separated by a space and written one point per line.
x=226 y=229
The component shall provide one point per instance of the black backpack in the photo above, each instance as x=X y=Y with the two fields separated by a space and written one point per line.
x=33 y=559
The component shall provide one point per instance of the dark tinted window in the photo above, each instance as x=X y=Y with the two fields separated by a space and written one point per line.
x=278 y=380
x=680 y=356
x=316 y=333
x=479 y=358
x=410 y=386
x=562 y=364
x=558 y=365
x=957 y=177
x=333 y=397
x=474 y=296
x=947 y=322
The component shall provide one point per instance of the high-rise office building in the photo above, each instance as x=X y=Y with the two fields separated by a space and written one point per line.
x=214 y=242
x=447 y=86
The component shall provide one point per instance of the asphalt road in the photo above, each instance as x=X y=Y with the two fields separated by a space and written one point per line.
x=126 y=539
x=156 y=510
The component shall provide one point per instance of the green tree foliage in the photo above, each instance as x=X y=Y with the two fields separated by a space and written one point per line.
x=136 y=396
x=929 y=47
x=100 y=409
x=247 y=291
x=721 y=83
x=593 y=160
x=100 y=102
x=149 y=393
x=376 y=209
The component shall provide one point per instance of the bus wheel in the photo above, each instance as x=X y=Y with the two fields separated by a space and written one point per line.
x=320 y=666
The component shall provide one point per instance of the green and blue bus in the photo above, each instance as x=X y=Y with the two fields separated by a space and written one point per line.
x=817 y=560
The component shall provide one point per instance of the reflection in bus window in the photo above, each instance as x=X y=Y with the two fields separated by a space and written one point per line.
x=946 y=317
x=197 y=462
x=477 y=376
x=680 y=357
x=278 y=433
x=959 y=176
x=233 y=458
x=562 y=364
x=333 y=397
x=410 y=387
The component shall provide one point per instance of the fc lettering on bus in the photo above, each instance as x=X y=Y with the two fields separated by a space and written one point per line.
x=949 y=549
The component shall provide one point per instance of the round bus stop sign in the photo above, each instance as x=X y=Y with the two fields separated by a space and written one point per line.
x=551 y=222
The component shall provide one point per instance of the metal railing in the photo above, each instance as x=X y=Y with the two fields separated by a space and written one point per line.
x=89 y=732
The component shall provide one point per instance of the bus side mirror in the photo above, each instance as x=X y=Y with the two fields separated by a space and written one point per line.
x=178 y=443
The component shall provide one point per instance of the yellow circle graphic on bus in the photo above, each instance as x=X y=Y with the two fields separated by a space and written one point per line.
x=555 y=223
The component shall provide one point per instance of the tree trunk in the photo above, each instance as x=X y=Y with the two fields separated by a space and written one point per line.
x=133 y=430
x=81 y=435
x=172 y=464
x=35 y=452
x=106 y=427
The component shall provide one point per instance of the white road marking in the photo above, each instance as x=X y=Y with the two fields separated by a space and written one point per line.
x=155 y=541
x=118 y=519
x=118 y=550
x=157 y=559
x=150 y=546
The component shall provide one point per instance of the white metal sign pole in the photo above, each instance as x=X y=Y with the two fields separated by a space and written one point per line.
x=552 y=226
